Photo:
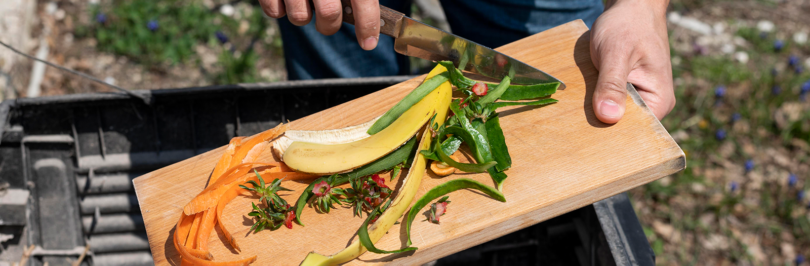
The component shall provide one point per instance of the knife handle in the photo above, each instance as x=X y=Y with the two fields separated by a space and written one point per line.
x=390 y=20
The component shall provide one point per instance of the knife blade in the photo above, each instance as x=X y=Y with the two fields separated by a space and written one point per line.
x=417 y=39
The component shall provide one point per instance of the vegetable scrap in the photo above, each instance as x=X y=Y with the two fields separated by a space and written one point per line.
x=437 y=209
x=425 y=125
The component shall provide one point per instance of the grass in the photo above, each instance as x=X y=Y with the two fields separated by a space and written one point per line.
x=748 y=110
x=159 y=34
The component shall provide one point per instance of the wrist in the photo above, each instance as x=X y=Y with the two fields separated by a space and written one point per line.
x=659 y=7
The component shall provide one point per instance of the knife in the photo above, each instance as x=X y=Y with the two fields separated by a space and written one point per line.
x=417 y=39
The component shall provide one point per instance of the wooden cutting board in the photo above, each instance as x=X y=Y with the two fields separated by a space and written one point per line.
x=563 y=159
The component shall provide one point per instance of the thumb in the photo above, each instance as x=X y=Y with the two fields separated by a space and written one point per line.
x=611 y=89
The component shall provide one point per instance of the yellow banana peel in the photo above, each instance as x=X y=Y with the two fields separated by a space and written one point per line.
x=325 y=159
x=439 y=106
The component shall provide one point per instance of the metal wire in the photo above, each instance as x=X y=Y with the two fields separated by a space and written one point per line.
x=74 y=72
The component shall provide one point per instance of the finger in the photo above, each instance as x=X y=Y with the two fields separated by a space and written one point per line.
x=328 y=16
x=366 y=22
x=653 y=81
x=299 y=12
x=611 y=87
x=660 y=105
x=273 y=8
x=656 y=90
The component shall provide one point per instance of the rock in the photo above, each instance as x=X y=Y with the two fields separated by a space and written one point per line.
x=266 y=73
x=666 y=231
x=244 y=26
x=765 y=26
x=715 y=242
x=698 y=188
x=719 y=27
x=666 y=181
x=800 y=37
x=728 y=48
x=741 y=57
x=807 y=62
x=674 y=17
x=787 y=114
x=51 y=8
x=747 y=147
x=110 y=80
x=227 y=10
x=788 y=251
x=694 y=25
x=59 y=14
x=755 y=181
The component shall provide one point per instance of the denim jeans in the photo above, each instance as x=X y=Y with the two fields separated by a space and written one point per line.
x=492 y=23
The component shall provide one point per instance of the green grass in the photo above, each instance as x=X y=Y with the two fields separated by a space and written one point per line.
x=700 y=114
x=182 y=25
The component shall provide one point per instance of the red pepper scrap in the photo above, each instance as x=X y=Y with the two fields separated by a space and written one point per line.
x=480 y=89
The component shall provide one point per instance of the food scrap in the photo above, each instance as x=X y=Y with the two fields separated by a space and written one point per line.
x=428 y=124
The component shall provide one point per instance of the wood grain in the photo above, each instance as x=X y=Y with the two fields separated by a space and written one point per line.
x=563 y=159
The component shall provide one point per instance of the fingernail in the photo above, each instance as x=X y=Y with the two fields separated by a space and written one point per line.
x=370 y=43
x=609 y=109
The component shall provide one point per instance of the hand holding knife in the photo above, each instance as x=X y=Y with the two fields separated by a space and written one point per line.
x=412 y=38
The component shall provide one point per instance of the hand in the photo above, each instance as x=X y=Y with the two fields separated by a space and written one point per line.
x=629 y=43
x=329 y=16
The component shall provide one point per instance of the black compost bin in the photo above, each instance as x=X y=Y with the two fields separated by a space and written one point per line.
x=74 y=157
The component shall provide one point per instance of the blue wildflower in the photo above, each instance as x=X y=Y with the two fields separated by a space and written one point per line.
x=799 y=259
x=101 y=18
x=805 y=87
x=800 y=195
x=793 y=60
x=152 y=25
x=733 y=186
x=776 y=90
x=798 y=69
x=792 y=180
x=221 y=37
x=720 y=91
x=735 y=117
x=778 y=45
x=749 y=165
x=720 y=135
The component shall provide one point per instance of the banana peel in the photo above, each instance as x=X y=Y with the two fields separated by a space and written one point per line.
x=325 y=159
x=407 y=192
x=330 y=136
